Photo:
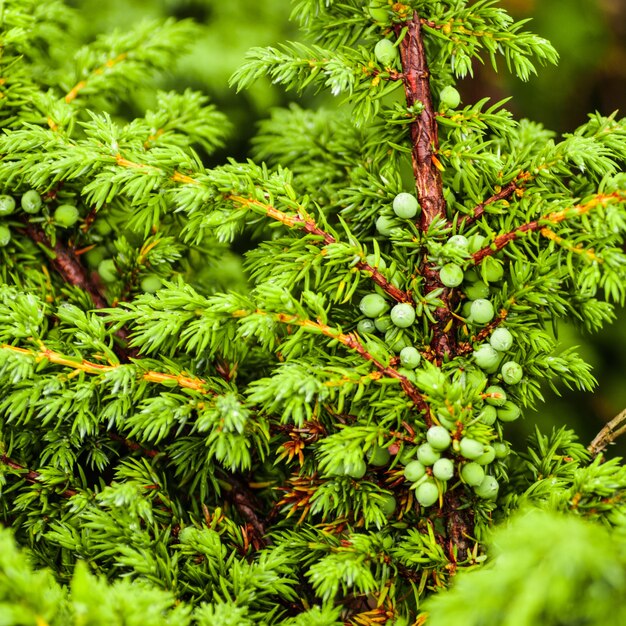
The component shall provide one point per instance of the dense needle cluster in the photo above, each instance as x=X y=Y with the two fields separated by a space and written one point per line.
x=318 y=434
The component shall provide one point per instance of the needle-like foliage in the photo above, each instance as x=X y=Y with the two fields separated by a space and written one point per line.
x=319 y=434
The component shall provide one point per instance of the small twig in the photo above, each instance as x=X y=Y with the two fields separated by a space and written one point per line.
x=611 y=431
x=504 y=193
x=67 y=264
x=31 y=476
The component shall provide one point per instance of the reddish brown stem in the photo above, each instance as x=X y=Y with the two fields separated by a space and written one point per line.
x=428 y=183
x=66 y=263
x=506 y=192
x=502 y=240
x=424 y=132
x=31 y=476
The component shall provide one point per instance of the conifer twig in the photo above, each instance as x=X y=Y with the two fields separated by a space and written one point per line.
x=66 y=263
x=505 y=192
x=611 y=431
x=31 y=476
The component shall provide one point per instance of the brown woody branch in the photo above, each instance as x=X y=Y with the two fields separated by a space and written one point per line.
x=428 y=182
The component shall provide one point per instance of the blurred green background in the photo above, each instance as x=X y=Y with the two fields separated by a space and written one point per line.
x=590 y=36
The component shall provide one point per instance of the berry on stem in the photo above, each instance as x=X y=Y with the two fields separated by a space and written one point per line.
x=427 y=455
x=443 y=469
x=403 y=315
x=414 y=470
x=31 y=202
x=7 y=204
x=405 y=205
x=495 y=395
x=373 y=305
x=5 y=236
x=451 y=275
x=449 y=98
x=509 y=412
x=385 y=52
x=470 y=448
x=107 y=270
x=151 y=283
x=385 y=226
x=378 y=456
x=427 y=493
x=488 y=488
x=472 y=474
x=501 y=339
x=66 y=215
x=366 y=327
x=486 y=357
x=438 y=437
x=410 y=357
x=388 y=504
x=488 y=415
x=511 y=372
x=482 y=311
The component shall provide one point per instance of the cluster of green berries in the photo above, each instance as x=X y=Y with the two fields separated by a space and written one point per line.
x=488 y=357
x=65 y=215
x=431 y=471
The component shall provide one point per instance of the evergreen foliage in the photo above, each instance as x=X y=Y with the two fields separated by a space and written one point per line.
x=317 y=435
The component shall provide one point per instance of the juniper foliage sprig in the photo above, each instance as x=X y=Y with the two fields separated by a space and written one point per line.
x=320 y=436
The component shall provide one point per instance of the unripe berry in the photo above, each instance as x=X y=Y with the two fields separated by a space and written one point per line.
x=495 y=395
x=511 y=372
x=449 y=98
x=388 y=504
x=509 y=412
x=426 y=455
x=395 y=342
x=151 y=284
x=476 y=290
x=470 y=448
x=501 y=339
x=378 y=12
x=95 y=255
x=378 y=456
x=427 y=493
x=7 y=205
x=372 y=262
x=482 y=311
x=5 y=236
x=488 y=415
x=405 y=205
x=102 y=227
x=438 y=437
x=66 y=215
x=31 y=202
x=476 y=243
x=385 y=52
x=443 y=469
x=366 y=327
x=356 y=469
x=488 y=488
x=487 y=456
x=413 y=471
x=107 y=270
x=383 y=324
x=492 y=270
x=472 y=474
x=458 y=241
x=410 y=357
x=502 y=450
x=486 y=357
x=472 y=276
x=403 y=315
x=373 y=305
x=385 y=226
x=451 y=275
